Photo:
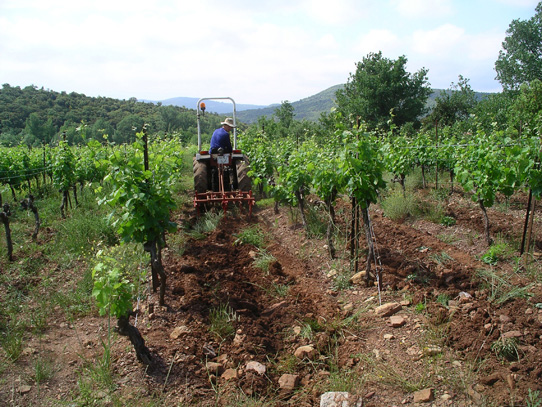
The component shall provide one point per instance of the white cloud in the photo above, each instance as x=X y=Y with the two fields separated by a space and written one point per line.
x=380 y=40
x=442 y=41
x=423 y=8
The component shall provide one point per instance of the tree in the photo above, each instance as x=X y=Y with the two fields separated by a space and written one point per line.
x=285 y=114
x=520 y=60
x=382 y=87
x=455 y=104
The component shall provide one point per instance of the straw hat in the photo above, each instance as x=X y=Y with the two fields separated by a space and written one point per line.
x=229 y=122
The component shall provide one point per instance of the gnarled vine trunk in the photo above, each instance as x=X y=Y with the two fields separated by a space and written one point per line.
x=157 y=268
x=124 y=328
x=4 y=217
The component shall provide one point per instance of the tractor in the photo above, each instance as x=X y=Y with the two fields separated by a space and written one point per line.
x=220 y=178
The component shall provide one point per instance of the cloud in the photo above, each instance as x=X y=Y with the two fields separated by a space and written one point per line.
x=380 y=40
x=423 y=8
x=442 y=41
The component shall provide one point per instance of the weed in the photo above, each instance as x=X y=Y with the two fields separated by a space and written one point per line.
x=500 y=289
x=395 y=376
x=344 y=380
x=287 y=364
x=397 y=207
x=533 y=399
x=205 y=224
x=440 y=194
x=221 y=320
x=447 y=238
x=317 y=220
x=443 y=299
x=448 y=221
x=252 y=235
x=43 y=370
x=497 y=252
x=441 y=258
x=279 y=290
x=341 y=281
x=263 y=260
x=309 y=328
x=419 y=307
x=506 y=348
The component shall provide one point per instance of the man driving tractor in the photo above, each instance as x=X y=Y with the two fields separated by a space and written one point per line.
x=221 y=137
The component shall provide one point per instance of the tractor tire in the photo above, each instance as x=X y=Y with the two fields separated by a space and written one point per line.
x=243 y=181
x=200 y=176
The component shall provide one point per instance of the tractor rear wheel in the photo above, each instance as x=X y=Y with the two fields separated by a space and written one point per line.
x=200 y=176
x=243 y=181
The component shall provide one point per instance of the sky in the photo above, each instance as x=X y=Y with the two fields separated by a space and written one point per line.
x=257 y=52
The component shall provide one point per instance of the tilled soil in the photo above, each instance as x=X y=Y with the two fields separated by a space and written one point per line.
x=448 y=348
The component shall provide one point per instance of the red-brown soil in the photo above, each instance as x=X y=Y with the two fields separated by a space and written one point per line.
x=389 y=363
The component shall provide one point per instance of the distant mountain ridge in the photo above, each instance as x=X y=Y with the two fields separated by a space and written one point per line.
x=309 y=108
x=214 y=106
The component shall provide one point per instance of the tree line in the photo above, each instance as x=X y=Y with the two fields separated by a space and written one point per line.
x=36 y=117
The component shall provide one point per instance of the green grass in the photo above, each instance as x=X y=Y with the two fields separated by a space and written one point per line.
x=264 y=260
x=497 y=252
x=205 y=224
x=253 y=235
x=221 y=321
x=399 y=208
x=499 y=288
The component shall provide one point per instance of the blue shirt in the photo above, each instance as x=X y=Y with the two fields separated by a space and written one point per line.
x=221 y=138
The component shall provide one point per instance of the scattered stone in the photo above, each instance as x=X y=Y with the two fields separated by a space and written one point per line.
x=389 y=337
x=229 y=374
x=209 y=351
x=288 y=382
x=369 y=395
x=274 y=308
x=331 y=273
x=406 y=303
x=388 y=309
x=256 y=366
x=358 y=278
x=348 y=307
x=397 y=321
x=457 y=363
x=223 y=358
x=215 y=368
x=464 y=296
x=491 y=379
x=252 y=254
x=504 y=318
x=303 y=352
x=340 y=399
x=413 y=351
x=239 y=339
x=424 y=396
x=179 y=331
x=297 y=330
x=512 y=334
x=474 y=395
x=446 y=396
x=24 y=389
x=529 y=311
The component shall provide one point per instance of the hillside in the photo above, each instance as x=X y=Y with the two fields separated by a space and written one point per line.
x=313 y=106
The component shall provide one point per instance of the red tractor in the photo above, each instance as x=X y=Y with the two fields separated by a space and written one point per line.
x=222 y=177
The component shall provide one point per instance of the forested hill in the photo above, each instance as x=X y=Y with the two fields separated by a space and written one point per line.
x=37 y=116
